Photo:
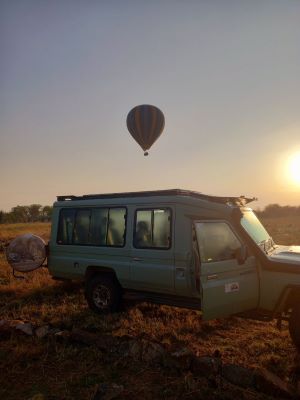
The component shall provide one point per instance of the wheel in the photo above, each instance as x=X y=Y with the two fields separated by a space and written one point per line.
x=102 y=294
x=294 y=326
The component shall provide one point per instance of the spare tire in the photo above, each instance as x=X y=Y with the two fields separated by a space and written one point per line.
x=26 y=252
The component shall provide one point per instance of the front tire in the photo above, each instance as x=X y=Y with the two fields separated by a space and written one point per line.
x=294 y=326
x=103 y=294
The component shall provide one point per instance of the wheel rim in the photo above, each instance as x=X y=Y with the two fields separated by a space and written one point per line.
x=101 y=296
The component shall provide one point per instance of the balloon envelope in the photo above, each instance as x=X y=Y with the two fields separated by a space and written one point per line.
x=145 y=124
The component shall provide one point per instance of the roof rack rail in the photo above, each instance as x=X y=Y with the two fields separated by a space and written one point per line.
x=241 y=200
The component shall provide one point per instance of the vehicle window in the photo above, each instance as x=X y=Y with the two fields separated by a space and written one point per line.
x=161 y=228
x=98 y=228
x=153 y=229
x=116 y=227
x=216 y=241
x=93 y=227
x=66 y=226
x=254 y=227
x=81 y=233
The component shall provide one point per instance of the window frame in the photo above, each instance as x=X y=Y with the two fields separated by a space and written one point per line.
x=152 y=209
x=84 y=208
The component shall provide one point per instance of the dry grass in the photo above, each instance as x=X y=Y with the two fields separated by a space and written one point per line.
x=284 y=230
x=62 y=370
x=10 y=231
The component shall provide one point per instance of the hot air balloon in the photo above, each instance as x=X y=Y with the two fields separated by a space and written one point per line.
x=145 y=124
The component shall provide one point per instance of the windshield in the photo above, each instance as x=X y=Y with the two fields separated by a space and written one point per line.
x=254 y=228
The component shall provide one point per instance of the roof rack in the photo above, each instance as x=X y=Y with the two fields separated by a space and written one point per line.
x=241 y=200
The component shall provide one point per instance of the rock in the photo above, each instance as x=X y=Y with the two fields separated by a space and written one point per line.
x=25 y=327
x=238 y=375
x=6 y=324
x=61 y=334
x=271 y=384
x=42 y=331
x=180 y=360
x=146 y=351
x=152 y=352
x=103 y=342
x=206 y=366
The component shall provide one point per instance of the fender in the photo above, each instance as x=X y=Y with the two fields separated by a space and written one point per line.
x=94 y=270
x=288 y=297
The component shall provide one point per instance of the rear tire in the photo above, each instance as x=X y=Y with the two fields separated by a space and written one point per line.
x=103 y=294
x=294 y=326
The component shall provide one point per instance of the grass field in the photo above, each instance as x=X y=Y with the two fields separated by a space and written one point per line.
x=52 y=368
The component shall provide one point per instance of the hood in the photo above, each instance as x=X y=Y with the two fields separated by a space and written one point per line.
x=286 y=254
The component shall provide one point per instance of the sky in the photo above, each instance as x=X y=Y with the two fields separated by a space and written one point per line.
x=226 y=75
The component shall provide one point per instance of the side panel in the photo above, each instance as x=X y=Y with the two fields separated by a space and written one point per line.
x=72 y=261
x=229 y=288
x=152 y=270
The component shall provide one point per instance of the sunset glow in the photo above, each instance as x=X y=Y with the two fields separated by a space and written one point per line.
x=294 y=168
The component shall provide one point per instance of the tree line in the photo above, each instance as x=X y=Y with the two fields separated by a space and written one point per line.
x=275 y=210
x=32 y=213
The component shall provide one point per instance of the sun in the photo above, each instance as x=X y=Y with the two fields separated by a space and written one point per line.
x=294 y=168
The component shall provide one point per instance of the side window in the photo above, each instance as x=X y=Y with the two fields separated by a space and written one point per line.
x=66 y=226
x=153 y=229
x=216 y=241
x=94 y=227
x=116 y=227
x=98 y=227
x=81 y=233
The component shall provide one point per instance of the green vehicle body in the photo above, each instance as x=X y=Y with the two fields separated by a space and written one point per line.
x=258 y=279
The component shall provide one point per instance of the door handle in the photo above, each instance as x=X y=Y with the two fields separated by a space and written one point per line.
x=137 y=259
x=249 y=271
x=214 y=276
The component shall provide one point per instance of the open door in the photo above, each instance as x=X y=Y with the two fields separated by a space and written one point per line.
x=229 y=278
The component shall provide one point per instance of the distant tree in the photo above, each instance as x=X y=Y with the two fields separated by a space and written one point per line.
x=272 y=210
x=34 y=211
x=275 y=210
x=47 y=213
x=19 y=214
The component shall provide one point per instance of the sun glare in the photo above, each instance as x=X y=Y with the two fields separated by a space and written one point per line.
x=294 y=168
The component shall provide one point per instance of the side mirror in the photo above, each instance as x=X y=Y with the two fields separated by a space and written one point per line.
x=241 y=254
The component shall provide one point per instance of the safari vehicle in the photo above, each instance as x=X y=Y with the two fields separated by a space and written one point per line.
x=175 y=247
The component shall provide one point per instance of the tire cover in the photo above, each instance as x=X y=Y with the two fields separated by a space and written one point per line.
x=26 y=252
